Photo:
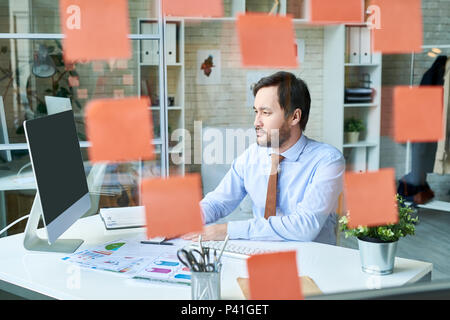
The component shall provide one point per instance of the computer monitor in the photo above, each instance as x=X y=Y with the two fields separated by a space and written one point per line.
x=57 y=104
x=62 y=191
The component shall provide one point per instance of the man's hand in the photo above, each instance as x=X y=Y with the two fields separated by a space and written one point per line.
x=213 y=232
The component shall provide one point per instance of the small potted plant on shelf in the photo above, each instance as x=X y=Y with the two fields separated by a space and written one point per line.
x=378 y=245
x=352 y=129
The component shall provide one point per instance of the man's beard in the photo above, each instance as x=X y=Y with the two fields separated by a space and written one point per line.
x=276 y=138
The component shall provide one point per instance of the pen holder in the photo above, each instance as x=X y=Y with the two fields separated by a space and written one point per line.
x=205 y=285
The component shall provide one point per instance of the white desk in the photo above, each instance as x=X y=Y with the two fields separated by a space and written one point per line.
x=334 y=269
x=9 y=181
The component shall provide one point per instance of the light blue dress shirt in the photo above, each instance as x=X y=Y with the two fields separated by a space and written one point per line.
x=309 y=183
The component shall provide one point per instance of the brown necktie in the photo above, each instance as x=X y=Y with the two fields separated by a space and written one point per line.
x=271 y=200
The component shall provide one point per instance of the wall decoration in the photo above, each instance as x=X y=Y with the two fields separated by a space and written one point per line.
x=208 y=67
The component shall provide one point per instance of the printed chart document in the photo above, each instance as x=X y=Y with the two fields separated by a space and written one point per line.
x=132 y=259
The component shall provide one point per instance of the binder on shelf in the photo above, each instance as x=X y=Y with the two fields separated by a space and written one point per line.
x=149 y=48
x=366 y=50
x=171 y=43
x=354 y=34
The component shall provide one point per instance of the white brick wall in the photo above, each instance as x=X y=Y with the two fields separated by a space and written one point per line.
x=225 y=104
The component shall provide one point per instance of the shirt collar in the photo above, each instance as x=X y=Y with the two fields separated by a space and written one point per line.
x=293 y=152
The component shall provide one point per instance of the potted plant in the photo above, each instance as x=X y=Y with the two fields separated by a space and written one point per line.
x=378 y=245
x=352 y=128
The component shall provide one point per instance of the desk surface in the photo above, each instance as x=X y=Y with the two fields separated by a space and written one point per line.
x=334 y=269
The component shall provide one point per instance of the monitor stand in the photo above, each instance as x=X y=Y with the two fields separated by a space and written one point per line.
x=33 y=242
x=31 y=239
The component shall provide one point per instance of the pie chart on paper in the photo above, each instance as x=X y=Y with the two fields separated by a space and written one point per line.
x=114 y=246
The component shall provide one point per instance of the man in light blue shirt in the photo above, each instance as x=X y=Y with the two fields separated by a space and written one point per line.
x=310 y=174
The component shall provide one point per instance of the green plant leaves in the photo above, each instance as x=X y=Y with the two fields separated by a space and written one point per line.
x=353 y=125
x=386 y=233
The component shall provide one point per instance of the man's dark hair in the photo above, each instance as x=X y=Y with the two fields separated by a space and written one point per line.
x=293 y=94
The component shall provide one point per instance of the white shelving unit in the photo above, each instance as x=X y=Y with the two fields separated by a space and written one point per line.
x=238 y=6
x=338 y=75
x=170 y=117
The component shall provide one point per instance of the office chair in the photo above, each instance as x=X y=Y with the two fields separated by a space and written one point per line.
x=95 y=181
x=340 y=212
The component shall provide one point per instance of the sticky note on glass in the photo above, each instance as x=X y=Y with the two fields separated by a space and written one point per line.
x=172 y=205
x=397 y=26
x=119 y=130
x=332 y=11
x=418 y=113
x=274 y=276
x=370 y=198
x=267 y=41
x=193 y=8
x=95 y=30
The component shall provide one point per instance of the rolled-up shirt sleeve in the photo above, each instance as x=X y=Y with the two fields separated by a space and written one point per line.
x=227 y=195
x=305 y=223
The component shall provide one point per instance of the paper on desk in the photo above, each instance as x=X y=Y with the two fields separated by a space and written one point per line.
x=130 y=258
x=126 y=217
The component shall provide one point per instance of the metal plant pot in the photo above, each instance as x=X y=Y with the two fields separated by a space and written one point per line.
x=377 y=257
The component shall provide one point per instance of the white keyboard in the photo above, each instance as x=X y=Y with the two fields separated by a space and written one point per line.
x=231 y=250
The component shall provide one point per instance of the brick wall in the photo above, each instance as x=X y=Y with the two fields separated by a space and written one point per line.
x=224 y=104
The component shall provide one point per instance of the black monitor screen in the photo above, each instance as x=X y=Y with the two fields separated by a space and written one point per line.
x=57 y=162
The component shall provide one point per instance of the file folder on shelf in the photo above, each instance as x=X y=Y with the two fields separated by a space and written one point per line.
x=365 y=45
x=354 y=46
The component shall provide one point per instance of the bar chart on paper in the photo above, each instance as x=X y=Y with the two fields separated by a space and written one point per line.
x=135 y=260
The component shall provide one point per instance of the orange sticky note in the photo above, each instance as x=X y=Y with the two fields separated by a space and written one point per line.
x=370 y=198
x=172 y=205
x=274 y=276
x=193 y=8
x=119 y=130
x=267 y=41
x=95 y=30
x=332 y=11
x=400 y=29
x=418 y=113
